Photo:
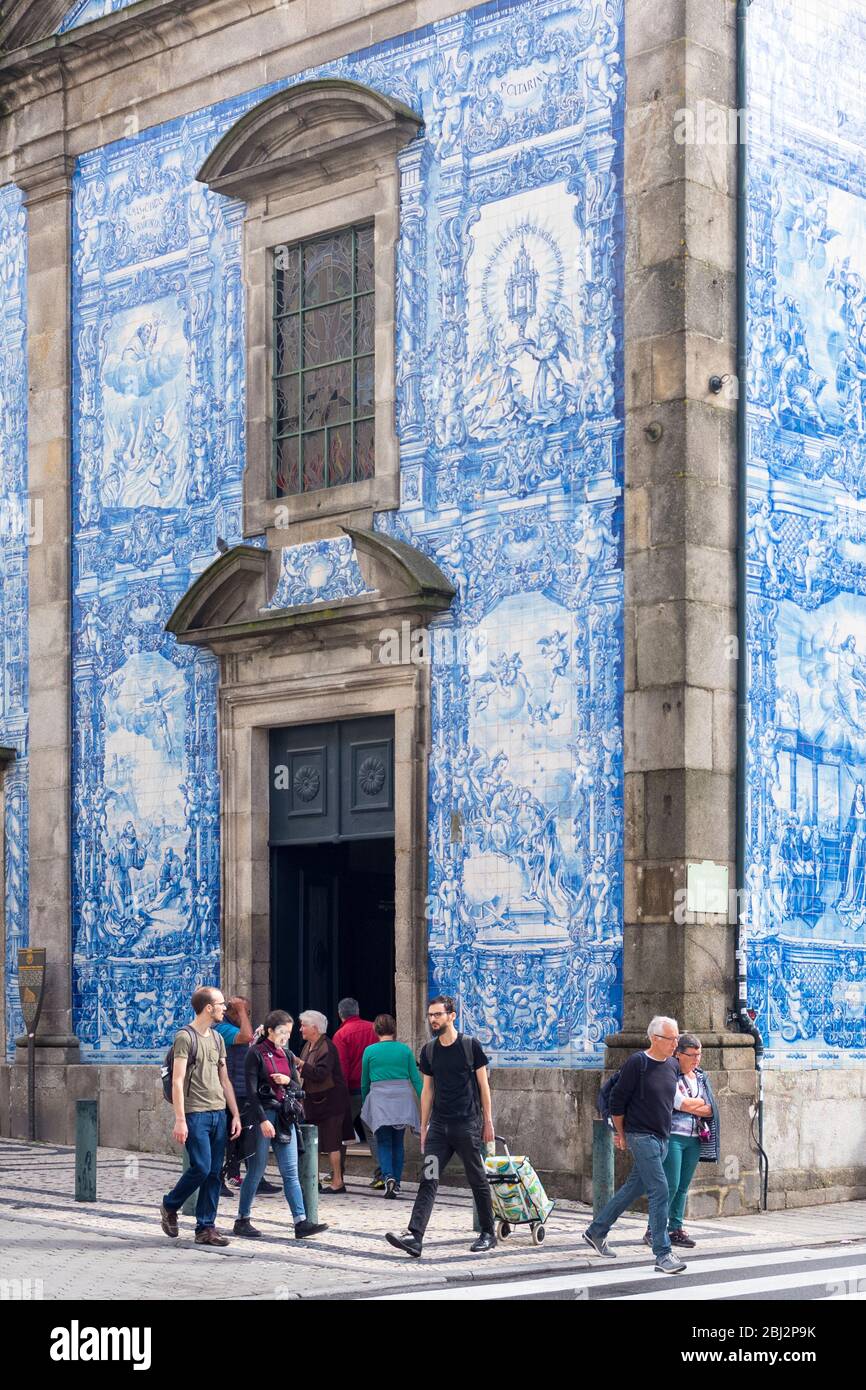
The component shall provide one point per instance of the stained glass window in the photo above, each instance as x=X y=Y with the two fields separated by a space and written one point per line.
x=323 y=361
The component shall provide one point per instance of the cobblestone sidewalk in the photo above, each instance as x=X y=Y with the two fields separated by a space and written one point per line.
x=115 y=1249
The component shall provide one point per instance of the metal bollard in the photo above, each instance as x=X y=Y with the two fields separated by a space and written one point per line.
x=189 y=1205
x=308 y=1171
x=86 y=1139
x=602 y=1165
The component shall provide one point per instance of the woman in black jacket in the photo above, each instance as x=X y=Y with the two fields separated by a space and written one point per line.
x=271 y=1078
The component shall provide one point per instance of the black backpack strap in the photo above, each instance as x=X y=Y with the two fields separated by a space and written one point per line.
x=193 y=1054
x=644 y=1068
x=469 y=1055
x=427 y=1053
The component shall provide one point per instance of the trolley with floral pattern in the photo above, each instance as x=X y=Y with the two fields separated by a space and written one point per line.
x=517 y=1193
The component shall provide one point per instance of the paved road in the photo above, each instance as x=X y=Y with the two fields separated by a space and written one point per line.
x=805 y=1273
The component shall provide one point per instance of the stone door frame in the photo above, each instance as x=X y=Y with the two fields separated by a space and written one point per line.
x=246 y=713
x=303 y=665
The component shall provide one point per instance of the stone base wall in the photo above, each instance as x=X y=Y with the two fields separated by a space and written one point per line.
x=814 y=1127
x=815 y=1136
x=544 y=1112
x=547 y=1114
x=133 y=1113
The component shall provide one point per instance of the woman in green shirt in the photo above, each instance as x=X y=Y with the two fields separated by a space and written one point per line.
x=390 y=1088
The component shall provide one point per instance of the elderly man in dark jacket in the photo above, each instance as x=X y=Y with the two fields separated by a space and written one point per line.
x=641 y=1106
x=694 y=1136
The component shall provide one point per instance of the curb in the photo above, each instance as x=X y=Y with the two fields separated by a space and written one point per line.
x=443 y=1281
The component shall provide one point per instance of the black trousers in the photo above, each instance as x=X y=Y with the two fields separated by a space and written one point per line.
x=232 y=1165
x=233 y=1158
x=462 y=1138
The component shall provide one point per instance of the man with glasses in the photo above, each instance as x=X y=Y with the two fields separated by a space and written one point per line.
x=641 y=1105
x=200 y=1092
x=456 y=1118
x=694 y=1134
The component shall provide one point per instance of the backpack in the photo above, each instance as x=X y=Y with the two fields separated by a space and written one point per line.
x=602 y=1105
x=468 y=1053
x=167 y=1069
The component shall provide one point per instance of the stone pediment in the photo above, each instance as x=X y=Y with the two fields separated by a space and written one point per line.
x=315 y=131
x=25 y=22
x=236 y=599
x=22 y=21
x=228 y=593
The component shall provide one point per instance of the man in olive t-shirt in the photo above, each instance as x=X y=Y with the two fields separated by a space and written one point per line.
x=200 y=1094
x=202 y=1087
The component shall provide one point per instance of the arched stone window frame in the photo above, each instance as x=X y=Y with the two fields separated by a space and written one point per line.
x=315 y=158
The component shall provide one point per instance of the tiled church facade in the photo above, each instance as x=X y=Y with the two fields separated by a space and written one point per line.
x=523 y=352
x=514 y=488
x=806 y=557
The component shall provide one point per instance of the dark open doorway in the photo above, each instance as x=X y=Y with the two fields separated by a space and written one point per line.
x=332 y=866
x=332 y=923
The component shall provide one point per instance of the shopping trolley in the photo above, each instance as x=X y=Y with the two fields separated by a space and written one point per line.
x=518 y=1196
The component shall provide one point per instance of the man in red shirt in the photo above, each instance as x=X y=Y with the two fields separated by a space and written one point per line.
x=351 y=1039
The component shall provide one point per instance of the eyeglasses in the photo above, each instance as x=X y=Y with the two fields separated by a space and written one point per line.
x=440 y=1013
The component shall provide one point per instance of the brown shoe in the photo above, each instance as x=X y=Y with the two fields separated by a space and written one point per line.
x=210 y=1236
x=682 y=1238
x=168 y=1219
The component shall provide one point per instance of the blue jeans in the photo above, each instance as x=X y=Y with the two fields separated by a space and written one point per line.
x=206 y=1146
x=287 y=1162
x=389 y=1139
x=647 y=1176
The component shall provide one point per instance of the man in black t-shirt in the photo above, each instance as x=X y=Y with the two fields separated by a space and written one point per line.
x=456 y=1118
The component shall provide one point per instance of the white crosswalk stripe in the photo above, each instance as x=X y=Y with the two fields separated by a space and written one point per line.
x=820 y=1268
x=746 y=1288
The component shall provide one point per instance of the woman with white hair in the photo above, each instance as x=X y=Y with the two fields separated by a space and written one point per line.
x=326 y=1095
